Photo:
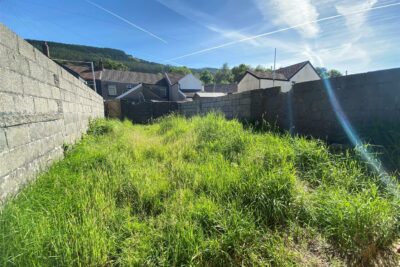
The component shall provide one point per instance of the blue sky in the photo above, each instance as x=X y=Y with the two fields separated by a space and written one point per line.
x=357 y=36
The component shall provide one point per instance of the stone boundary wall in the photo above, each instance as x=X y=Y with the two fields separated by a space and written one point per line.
x=316 y=108
x=42 y=107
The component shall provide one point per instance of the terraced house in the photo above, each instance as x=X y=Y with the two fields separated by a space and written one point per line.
x=140 y=87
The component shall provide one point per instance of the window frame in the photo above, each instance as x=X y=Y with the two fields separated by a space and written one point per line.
x=111 y=87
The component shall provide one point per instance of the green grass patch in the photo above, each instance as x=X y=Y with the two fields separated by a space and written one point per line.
x=199 y=192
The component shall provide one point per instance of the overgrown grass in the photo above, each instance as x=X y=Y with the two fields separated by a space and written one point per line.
x=199 y=192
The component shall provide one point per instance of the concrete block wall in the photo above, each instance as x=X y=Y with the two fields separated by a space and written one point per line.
x=316 y=108
x=232 y=105
x=319 y=108
x=42 y=107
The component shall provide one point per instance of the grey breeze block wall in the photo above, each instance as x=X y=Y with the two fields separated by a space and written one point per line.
x=41 y=107
x=366 y=100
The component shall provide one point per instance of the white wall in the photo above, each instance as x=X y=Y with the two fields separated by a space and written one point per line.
x=307 y=73
x=190 y=82
x=249 y=82
x=285 y=85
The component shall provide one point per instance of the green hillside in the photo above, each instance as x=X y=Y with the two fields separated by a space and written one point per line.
x=113 y=58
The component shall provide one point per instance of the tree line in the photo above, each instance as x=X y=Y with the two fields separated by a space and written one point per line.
x=118 y=60
x=227 y=75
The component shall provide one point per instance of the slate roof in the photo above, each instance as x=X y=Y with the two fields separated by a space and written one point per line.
x=132 y=77
x=268 y=75
x=284 y=74
x=221 y=88
x=120 y=76
x=83 y=71
x=173 y=78
x=291 y=70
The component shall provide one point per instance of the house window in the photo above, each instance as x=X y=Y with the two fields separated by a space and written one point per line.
x=129 y=86
x=112 y=89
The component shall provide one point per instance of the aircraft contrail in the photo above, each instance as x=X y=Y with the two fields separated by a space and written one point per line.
x=127 y=21
x=280 y=30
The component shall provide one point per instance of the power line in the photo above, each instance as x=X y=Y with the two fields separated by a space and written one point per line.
x=281 y=30
x=127 y=21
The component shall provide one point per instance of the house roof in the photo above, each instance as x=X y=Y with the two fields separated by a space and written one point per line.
x=221 y=88
x=268 y=75
x=291 y=70
x=132 y=77
x=84 y=71
x=284 y=74
x=173 y=78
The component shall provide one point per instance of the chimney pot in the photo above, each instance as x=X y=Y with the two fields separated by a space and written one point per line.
x=45 y=49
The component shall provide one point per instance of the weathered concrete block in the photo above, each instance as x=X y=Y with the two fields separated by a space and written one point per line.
x=16 y=63
x=10 y=81
x=53 y=106
x=37 y=72
x=41 y=105
x=37 y=131
x=7 y=37
x=3 y=141
x=4 y=56
x=10 y=59
x=12 y=160
x=24 y=104
x=17 y=136
x=46 y=90
x=31 y=86
x=26 y=50
x=7 y=103
x=245 y=101
x=55 y=93
x=42 y=60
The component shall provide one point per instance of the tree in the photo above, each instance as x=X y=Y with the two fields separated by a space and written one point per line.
x=224 y=75
x=206 y=77
x=262 y=68
x=334 y=73
x=325 y=74
x=114 y=65
x=239 y=71
x=181 y=70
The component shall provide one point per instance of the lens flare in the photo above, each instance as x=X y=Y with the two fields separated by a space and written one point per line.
x=367 y=156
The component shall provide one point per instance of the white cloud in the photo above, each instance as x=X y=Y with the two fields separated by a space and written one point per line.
x=292 y=13
x=234 y=35
x=356 y=21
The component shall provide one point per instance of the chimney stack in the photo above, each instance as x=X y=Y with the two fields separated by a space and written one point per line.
x=45 y=49
x=101 y=65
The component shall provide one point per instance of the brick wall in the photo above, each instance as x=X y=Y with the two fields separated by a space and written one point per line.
x=42 y=107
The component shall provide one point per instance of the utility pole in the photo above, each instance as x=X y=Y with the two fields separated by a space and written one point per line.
x=273 y=73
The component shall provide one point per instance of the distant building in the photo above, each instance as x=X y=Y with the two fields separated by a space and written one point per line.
x=182 y=87
x=207 y=95
x=283 y=77
x=141 y=87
